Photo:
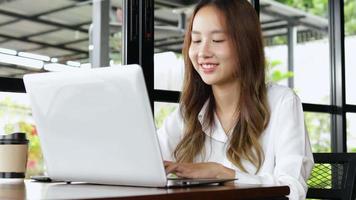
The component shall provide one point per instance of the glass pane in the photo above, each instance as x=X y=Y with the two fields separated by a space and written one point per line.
x=45 y=47
x=58 y=41
x=350 y=48
x=305 y=26
x=276 y=59
x=318 y=126
x=351 y=131
x=169 y=71
x=162 y=110
x=16 y=115
x=115 y=40
x=169 y=24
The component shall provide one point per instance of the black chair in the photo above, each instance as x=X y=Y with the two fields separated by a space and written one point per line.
x=333 y=176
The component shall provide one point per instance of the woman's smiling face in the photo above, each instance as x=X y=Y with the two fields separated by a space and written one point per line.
x=210 y=49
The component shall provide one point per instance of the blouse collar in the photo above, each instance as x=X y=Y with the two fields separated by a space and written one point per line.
x=216 y=132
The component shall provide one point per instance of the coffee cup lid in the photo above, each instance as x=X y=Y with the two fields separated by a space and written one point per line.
x=14 y=138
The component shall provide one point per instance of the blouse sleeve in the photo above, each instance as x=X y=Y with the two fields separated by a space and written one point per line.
x=170 y=134
x=292 y=152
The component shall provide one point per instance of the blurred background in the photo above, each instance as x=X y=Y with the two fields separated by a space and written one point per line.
x=305 y=45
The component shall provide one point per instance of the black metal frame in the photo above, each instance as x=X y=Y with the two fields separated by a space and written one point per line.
x=337 y=61
x=348 y=172
x=11 y=85
x=139 y=38
x=256 y=5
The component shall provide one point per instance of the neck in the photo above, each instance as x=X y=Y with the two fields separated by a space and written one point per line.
x=226 y=97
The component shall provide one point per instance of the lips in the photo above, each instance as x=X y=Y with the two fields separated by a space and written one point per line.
x=208 y=67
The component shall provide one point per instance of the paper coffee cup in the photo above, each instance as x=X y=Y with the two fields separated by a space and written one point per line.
x=13 y=155
x=13 y=191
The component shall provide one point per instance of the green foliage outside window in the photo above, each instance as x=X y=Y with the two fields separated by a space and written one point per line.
x=320 y=8
x=318 y=125
x=316 y=7
x=163 y=113
x=273 y=74
x=350 y=17
x=16 y=116
x=115 y=47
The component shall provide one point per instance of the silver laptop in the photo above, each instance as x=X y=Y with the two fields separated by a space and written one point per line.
x=97 y=126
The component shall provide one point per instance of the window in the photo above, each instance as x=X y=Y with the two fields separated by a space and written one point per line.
x=297 y=46
x=38 y=37
x=350 y=71
x=304 y=44
x=115 y=32
x=318 y=126
x=169 y=70
x=350 y=48
x=169 y=25
x=162 y=110
x=169 y=28
x=16 y=116
x=351 y=132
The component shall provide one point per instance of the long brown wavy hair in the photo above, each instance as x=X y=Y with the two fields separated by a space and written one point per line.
x=244 y=30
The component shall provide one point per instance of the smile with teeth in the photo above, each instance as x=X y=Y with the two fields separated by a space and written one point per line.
x=208 y=67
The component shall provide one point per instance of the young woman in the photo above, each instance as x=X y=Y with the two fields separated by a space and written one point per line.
x=230 y=122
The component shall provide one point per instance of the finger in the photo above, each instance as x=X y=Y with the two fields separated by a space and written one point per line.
x=183 y=171
x=171 y=168
x=167 y=163
x=183 y=168
x=183 y=174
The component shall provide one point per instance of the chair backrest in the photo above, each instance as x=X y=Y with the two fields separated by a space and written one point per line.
x=333 y=176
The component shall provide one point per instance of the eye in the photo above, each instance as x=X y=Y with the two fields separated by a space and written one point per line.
x=218 y=41
x=196 y=41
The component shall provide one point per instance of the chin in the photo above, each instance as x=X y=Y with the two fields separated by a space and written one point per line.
x=209 y=81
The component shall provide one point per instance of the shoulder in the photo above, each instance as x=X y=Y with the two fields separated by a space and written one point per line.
x=173 y=124
x=278 y=94
x=175 y=116
x=170 y=134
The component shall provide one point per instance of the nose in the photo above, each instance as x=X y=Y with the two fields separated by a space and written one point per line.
x=205 y=50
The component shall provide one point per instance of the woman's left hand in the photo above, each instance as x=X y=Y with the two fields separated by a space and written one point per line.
x=199 y=170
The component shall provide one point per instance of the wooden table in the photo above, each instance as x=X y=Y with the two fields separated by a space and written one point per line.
x=36 y=190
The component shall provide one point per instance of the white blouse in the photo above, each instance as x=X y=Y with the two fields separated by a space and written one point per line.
x=285 y=143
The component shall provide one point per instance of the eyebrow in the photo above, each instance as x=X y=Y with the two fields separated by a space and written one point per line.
x=212 y=32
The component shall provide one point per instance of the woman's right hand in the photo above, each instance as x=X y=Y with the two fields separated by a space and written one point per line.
x=199 y=170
